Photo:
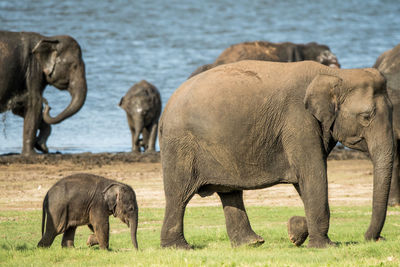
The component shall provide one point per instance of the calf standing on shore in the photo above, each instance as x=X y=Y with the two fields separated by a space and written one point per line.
x=142 y=104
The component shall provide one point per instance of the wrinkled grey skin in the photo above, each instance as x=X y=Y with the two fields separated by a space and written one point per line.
x=291 y=115
x=87 y=199
x=142 y=104
x=276 y=52
x=30 y=61
x=389 y=65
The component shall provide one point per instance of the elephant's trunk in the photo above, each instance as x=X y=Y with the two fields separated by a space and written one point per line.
x=77 y=89
x=133 y=223
x=381 y=150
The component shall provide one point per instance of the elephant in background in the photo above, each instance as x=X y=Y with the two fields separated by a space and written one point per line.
x=28 y=63
x=142 y=104
x=86 y=199
x=292 y=115
x=389 y=65
x=277 y=52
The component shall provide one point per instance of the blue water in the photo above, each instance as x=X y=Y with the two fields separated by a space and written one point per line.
x=162 y=41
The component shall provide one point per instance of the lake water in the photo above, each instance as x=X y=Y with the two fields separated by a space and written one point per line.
x=162 y=41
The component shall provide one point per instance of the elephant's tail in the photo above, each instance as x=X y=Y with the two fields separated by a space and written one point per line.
x=44 y=212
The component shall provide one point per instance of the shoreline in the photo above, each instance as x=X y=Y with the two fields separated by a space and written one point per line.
x=107 y=158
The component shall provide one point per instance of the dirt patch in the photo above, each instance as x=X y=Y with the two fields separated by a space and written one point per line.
x=24 y=181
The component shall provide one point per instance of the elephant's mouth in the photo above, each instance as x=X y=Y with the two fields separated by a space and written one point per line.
x=355 y=143
x=62 y=84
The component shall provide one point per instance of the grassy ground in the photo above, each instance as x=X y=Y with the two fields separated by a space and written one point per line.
x=205 y=229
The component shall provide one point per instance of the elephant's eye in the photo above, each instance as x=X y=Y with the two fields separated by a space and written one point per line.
x=366 y=115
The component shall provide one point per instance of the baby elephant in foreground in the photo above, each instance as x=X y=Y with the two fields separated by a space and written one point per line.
x=86 y=199
x=142 y=104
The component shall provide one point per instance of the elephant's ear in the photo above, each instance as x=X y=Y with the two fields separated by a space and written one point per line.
x=110 y=194
x=321 y=99
x=294 y=54
x=121 y=102
x=46 y=53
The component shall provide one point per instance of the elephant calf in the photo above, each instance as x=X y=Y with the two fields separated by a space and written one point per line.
x=142 y=104
x=86 y=199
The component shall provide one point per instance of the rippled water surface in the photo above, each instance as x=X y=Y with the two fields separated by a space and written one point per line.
x=161 y=41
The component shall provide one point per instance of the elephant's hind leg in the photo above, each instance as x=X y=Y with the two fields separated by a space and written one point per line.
x=237 y=222
x=48 y=237
x=172 y=229
x=394 y=195
x=68 y=237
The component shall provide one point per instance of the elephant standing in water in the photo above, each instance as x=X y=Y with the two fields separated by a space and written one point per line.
x=389 y=65
x=277 y=52
x=87 y=199
x=28 y=63
x=255 y=124
x=142 y=104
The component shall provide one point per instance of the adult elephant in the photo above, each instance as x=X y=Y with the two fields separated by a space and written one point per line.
x=276 y=52
x=30 y=61
x=268 y=123
x=389 y=64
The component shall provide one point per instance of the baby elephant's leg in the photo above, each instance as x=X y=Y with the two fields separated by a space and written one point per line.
x=101 y=231
x=92 y=239
x=297 y=230
x=68 y=237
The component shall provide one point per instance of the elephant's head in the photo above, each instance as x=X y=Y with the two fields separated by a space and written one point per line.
x=320 y=53
x=355 y=110
x=60 y=59
x=140 y=104
x=121 y=202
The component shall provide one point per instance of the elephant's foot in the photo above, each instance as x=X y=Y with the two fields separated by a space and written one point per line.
x=28 y=152
x=41 y=147
x=92 y=240
x=179 y=244
x=68 y=244
x=252 y=240
x=320 y=243
x=297 y=230
x=394 y=201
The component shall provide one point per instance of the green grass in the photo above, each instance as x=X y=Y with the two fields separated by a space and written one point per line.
x=205 y=229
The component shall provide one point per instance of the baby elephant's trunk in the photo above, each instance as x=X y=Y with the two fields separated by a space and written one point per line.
x=133 y=223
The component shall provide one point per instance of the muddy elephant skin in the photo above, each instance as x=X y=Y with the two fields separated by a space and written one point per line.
x=28 y=63
x=276 y=52
x=389 y=65
x=86 y=199
x=142 y=104
x=254 y=124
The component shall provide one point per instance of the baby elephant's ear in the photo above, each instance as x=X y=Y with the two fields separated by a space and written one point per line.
x=110 y=196
x=322 y=99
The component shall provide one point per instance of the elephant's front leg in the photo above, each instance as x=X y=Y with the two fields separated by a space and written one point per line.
x=31 y=123
x=92 y=239
x=102 y=230
x=394 y=196
x=135 y=132
x=153 y=137
x=313 y=188
x=237 y=222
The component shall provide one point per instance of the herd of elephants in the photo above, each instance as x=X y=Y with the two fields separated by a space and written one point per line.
x=261 y=114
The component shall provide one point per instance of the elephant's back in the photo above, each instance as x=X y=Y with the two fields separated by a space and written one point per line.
x=231 y=96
